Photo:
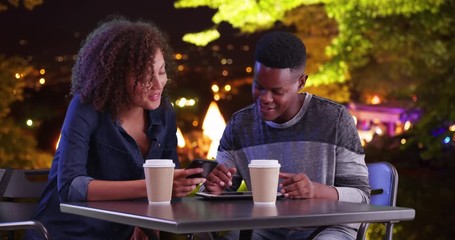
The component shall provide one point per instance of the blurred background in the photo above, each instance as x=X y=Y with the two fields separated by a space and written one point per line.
x=391 y=63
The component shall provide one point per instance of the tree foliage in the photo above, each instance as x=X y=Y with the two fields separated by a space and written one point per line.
x=317 y=30
x=246 y=15
x=401 y=50
x=397 y=49
x=12 y=72
x=18 y=147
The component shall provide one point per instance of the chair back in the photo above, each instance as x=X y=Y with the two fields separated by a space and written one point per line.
x=383 y=179
x=20 y=183
x=2 y=185
x=20 y=191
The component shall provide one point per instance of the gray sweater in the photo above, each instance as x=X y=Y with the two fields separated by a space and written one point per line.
x=320 y=141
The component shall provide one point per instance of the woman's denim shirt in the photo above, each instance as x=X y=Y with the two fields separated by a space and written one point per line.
x=94 y=146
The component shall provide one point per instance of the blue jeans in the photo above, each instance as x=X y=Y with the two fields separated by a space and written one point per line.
x=330 y=233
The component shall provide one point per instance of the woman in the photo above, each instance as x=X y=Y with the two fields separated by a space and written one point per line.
x=118 y=117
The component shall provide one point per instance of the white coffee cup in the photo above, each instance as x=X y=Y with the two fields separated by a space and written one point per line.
x=159 y=177
x=264 y=180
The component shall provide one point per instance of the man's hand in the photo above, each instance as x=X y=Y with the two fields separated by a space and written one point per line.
x=182 y=186
x=219 y=179
x=298 y=185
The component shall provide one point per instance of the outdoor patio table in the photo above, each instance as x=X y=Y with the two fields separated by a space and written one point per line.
x=194 y=214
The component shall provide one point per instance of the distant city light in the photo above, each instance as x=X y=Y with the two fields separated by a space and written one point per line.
x=195 y=123
x=180 y=68
x=248 y=69
x=225 y=73
x=378 y=130
x=216 y=97
x=246 y=48
x=230 y=61
x=452 y=128
x=42 y=81
x=178 y=56
x=403 y=141
x=215 y=88
x=29 y=122
x=42 y=71
x=365 y=135
x=407 y=125
x=227 y=88
x=183 y=102
x=223 y=61
x=446 y=140
x=17 y=75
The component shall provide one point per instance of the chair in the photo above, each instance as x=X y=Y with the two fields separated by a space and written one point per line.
x=383 y=178
x=20 y=191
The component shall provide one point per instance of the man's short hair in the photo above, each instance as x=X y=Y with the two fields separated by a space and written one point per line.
x=280 y=50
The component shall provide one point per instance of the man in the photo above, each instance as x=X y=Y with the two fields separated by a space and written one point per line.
x=314 y=139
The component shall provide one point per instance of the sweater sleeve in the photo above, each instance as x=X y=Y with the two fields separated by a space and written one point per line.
x=351 y=176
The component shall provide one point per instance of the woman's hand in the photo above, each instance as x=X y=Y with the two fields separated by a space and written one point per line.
x=182 y=186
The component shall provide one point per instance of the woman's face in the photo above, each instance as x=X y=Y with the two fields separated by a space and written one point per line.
x=147 y=94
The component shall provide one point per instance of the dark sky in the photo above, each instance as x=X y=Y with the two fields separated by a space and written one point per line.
x=58 y=26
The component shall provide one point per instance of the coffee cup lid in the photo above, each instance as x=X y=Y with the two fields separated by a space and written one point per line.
x=159 y=163
x=264 y=163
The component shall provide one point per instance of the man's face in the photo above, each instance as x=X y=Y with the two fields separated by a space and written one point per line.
x=275 y=92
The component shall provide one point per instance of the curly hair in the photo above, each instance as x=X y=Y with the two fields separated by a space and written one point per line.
x=116 y=49
x=281 y=50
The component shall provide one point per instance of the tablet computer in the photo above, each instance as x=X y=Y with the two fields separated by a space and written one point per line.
x=230 y=195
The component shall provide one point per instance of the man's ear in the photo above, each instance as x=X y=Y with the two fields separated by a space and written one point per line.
x=302 y=81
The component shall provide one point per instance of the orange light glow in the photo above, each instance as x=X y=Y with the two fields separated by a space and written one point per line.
x=375 y=100
x=213 y=127
x=180 y=139
x=58 y=141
